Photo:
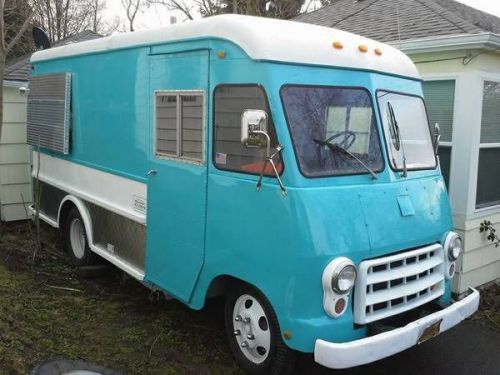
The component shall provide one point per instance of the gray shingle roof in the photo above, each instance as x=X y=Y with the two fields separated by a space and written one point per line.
x=377 y=19
x=20 y=69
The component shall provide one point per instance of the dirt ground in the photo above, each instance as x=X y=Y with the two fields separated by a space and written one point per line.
x=49 y=310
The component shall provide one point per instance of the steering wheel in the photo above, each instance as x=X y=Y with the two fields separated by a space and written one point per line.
x=349 y=137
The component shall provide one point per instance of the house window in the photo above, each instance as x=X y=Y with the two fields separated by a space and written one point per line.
x=440 y=100
x=179 y=125
x=230 y=101
x=488 y=177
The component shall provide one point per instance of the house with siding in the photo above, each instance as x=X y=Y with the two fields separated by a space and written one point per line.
x=456 y=49
x=15 y=181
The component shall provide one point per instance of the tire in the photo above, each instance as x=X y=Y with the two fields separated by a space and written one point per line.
x=75 y=240
x=254 y=334
x=58 y=367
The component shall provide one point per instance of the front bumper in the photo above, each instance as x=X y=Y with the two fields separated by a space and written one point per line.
x=370 y=349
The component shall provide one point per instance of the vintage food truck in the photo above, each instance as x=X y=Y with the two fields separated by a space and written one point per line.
x=287 y=166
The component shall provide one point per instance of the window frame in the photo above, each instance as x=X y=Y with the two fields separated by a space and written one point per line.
x=398 y=170
x=495 y=205
x=179 y=157
x=270 y=117
x=285 y=114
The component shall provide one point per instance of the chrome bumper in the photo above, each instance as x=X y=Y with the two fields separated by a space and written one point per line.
x=370 y=349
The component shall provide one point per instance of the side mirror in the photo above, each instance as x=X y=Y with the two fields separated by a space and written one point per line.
x=437 y=137
x=254 y=129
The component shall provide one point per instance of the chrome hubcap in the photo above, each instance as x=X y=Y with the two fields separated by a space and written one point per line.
x=77 y=237
x=251 y=328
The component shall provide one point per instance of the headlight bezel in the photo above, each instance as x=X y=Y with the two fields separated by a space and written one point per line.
x=449 y=259
x=343 y=268
x=450 y=250
x=335 y=299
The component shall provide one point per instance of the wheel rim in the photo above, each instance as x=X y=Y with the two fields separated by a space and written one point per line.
x=77 y=238
x=251 y=328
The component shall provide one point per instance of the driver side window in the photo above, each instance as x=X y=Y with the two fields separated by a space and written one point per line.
x=230 y=101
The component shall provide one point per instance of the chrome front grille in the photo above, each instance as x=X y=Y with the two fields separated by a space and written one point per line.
x=391 y=285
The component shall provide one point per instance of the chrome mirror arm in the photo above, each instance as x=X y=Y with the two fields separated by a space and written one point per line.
x=437 y=138
x=268 y=143
x=270 y=160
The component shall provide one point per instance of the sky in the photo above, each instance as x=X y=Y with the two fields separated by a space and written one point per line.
x=158 y=15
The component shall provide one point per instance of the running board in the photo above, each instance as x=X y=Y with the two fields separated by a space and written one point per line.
x=133 y=271
x=47 y=219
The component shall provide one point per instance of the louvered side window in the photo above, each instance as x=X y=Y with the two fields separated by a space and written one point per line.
x=180 y=125
x=49 y=116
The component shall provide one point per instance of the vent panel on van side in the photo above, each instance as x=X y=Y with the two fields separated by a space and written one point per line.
x=48 y=121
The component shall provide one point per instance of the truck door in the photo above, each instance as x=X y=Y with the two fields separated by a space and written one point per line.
x=177 y=179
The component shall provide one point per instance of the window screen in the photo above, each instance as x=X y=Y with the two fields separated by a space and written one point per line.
x=488 y=178
x=230 y=101
x=490 y=120
x=179 y=125
x=440 y=103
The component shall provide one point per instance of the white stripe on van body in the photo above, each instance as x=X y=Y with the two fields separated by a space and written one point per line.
x=114 y=193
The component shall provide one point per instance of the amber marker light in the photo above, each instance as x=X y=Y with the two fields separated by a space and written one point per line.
x=337 y=45
x=363 y=48
x=221 y=54
x=378 y=51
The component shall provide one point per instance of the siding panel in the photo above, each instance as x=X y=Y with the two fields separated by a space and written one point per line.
x=14 y=158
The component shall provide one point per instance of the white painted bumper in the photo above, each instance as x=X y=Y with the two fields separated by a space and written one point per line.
x=370 y=349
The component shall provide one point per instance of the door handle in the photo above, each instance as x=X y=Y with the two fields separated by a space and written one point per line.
x=152 y=172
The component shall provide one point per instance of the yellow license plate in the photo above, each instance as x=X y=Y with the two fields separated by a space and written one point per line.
x=430 y=332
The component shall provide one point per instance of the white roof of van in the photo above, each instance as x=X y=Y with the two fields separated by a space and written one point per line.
x=262 y=39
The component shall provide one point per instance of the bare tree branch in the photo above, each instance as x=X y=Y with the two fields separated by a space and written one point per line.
x=22 y=29
x=132 y=7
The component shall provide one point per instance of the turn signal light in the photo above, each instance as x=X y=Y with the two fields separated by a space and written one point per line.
x=337 y=45
x=363 y=48
x=378 y=51
x=340 y=306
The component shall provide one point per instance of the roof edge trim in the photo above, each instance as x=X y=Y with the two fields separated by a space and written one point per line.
x=449 y=43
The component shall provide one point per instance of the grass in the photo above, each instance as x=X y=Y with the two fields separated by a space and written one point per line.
x=489 y=310
x=49 y=311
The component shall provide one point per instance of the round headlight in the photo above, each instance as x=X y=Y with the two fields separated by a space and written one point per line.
x=344 y=278
x=455 y=247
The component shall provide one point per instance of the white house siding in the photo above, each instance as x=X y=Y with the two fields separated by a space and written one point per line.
x=15 y=186
x=480 y=263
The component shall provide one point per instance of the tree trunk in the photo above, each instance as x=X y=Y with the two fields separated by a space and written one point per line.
x=2 y=73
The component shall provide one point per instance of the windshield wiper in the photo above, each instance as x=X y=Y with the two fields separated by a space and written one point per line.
x=336 y=148
x=397 y=133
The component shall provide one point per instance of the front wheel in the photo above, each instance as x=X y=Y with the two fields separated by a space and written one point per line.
x=254 y=334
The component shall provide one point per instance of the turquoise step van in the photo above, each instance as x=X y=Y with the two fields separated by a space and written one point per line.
x=286 y=166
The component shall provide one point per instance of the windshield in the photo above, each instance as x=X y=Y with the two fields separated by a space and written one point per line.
x=406 y=130
x=322 y=117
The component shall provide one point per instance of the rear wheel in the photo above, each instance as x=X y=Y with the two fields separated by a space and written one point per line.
x=254 y=334
x=75 y=240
